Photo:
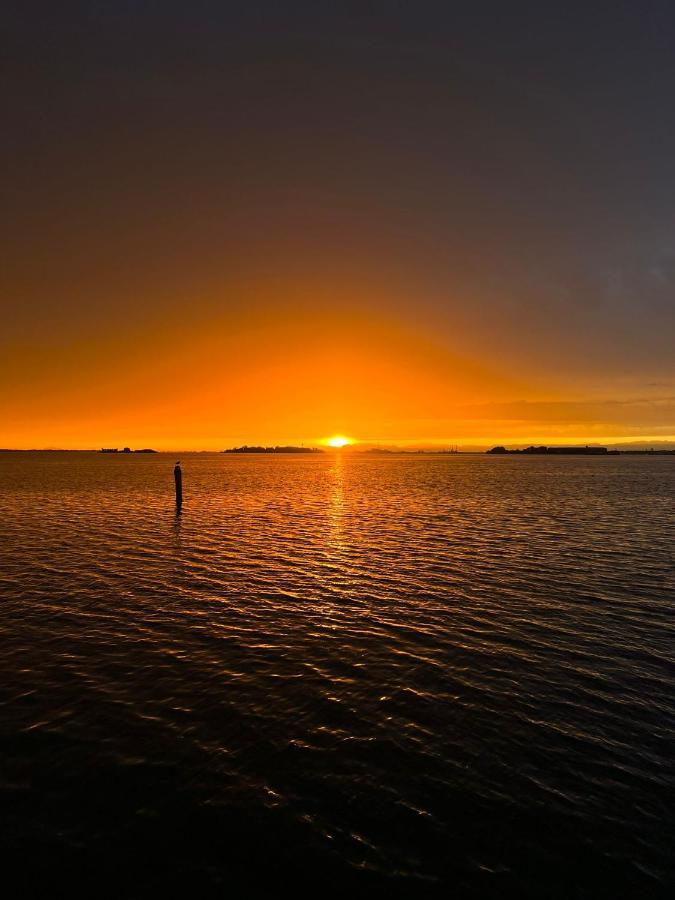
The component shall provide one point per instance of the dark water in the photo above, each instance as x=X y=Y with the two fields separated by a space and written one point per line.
x=417 y=676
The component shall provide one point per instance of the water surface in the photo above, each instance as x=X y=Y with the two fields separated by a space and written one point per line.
x=444 y=675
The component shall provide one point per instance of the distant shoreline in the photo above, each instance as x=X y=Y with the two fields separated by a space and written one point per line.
x=577 y=451
x=367 y=451
x=277 y=449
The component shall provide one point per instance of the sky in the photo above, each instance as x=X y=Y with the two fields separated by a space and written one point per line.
x=413 y=223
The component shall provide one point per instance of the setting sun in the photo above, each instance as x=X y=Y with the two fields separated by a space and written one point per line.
x=338 y=440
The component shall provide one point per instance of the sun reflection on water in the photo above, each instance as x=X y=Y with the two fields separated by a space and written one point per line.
x=336 y=507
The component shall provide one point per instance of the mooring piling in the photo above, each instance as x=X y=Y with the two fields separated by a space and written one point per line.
x=178 y=478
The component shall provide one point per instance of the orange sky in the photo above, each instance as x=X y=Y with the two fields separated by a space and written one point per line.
x=238 y=226
x=273 y=363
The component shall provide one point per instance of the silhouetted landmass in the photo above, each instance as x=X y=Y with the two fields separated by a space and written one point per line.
x=247 y=449
x=399 y=451
x=650 y=452
x=565 y=451
x=126 y=450
x=581 y=451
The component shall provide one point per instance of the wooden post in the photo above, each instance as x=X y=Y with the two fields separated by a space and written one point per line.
x=178 y=478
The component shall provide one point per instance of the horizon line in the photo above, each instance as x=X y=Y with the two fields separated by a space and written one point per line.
x=465 y=445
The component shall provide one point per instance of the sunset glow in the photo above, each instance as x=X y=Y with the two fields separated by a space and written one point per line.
x=338 y=441
x=337 y=448
x=437 y=291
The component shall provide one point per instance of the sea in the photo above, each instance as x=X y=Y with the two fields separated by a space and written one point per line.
x=393 y=675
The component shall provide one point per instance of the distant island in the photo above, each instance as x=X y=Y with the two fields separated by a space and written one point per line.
x=399 y=451
x=125 y=450
x=579 y=451
x=576 y=451
x=247 y=449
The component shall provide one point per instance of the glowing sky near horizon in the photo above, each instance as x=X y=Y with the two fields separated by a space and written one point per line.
x=410 y=224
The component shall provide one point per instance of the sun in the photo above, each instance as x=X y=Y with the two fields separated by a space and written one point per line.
x=338 y=440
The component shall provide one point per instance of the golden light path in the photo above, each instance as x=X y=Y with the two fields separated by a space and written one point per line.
x=338 y=440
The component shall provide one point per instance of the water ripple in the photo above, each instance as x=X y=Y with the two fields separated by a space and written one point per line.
x=410 y=671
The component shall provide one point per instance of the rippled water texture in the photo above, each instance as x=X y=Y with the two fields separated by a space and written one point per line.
x=418 y=674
